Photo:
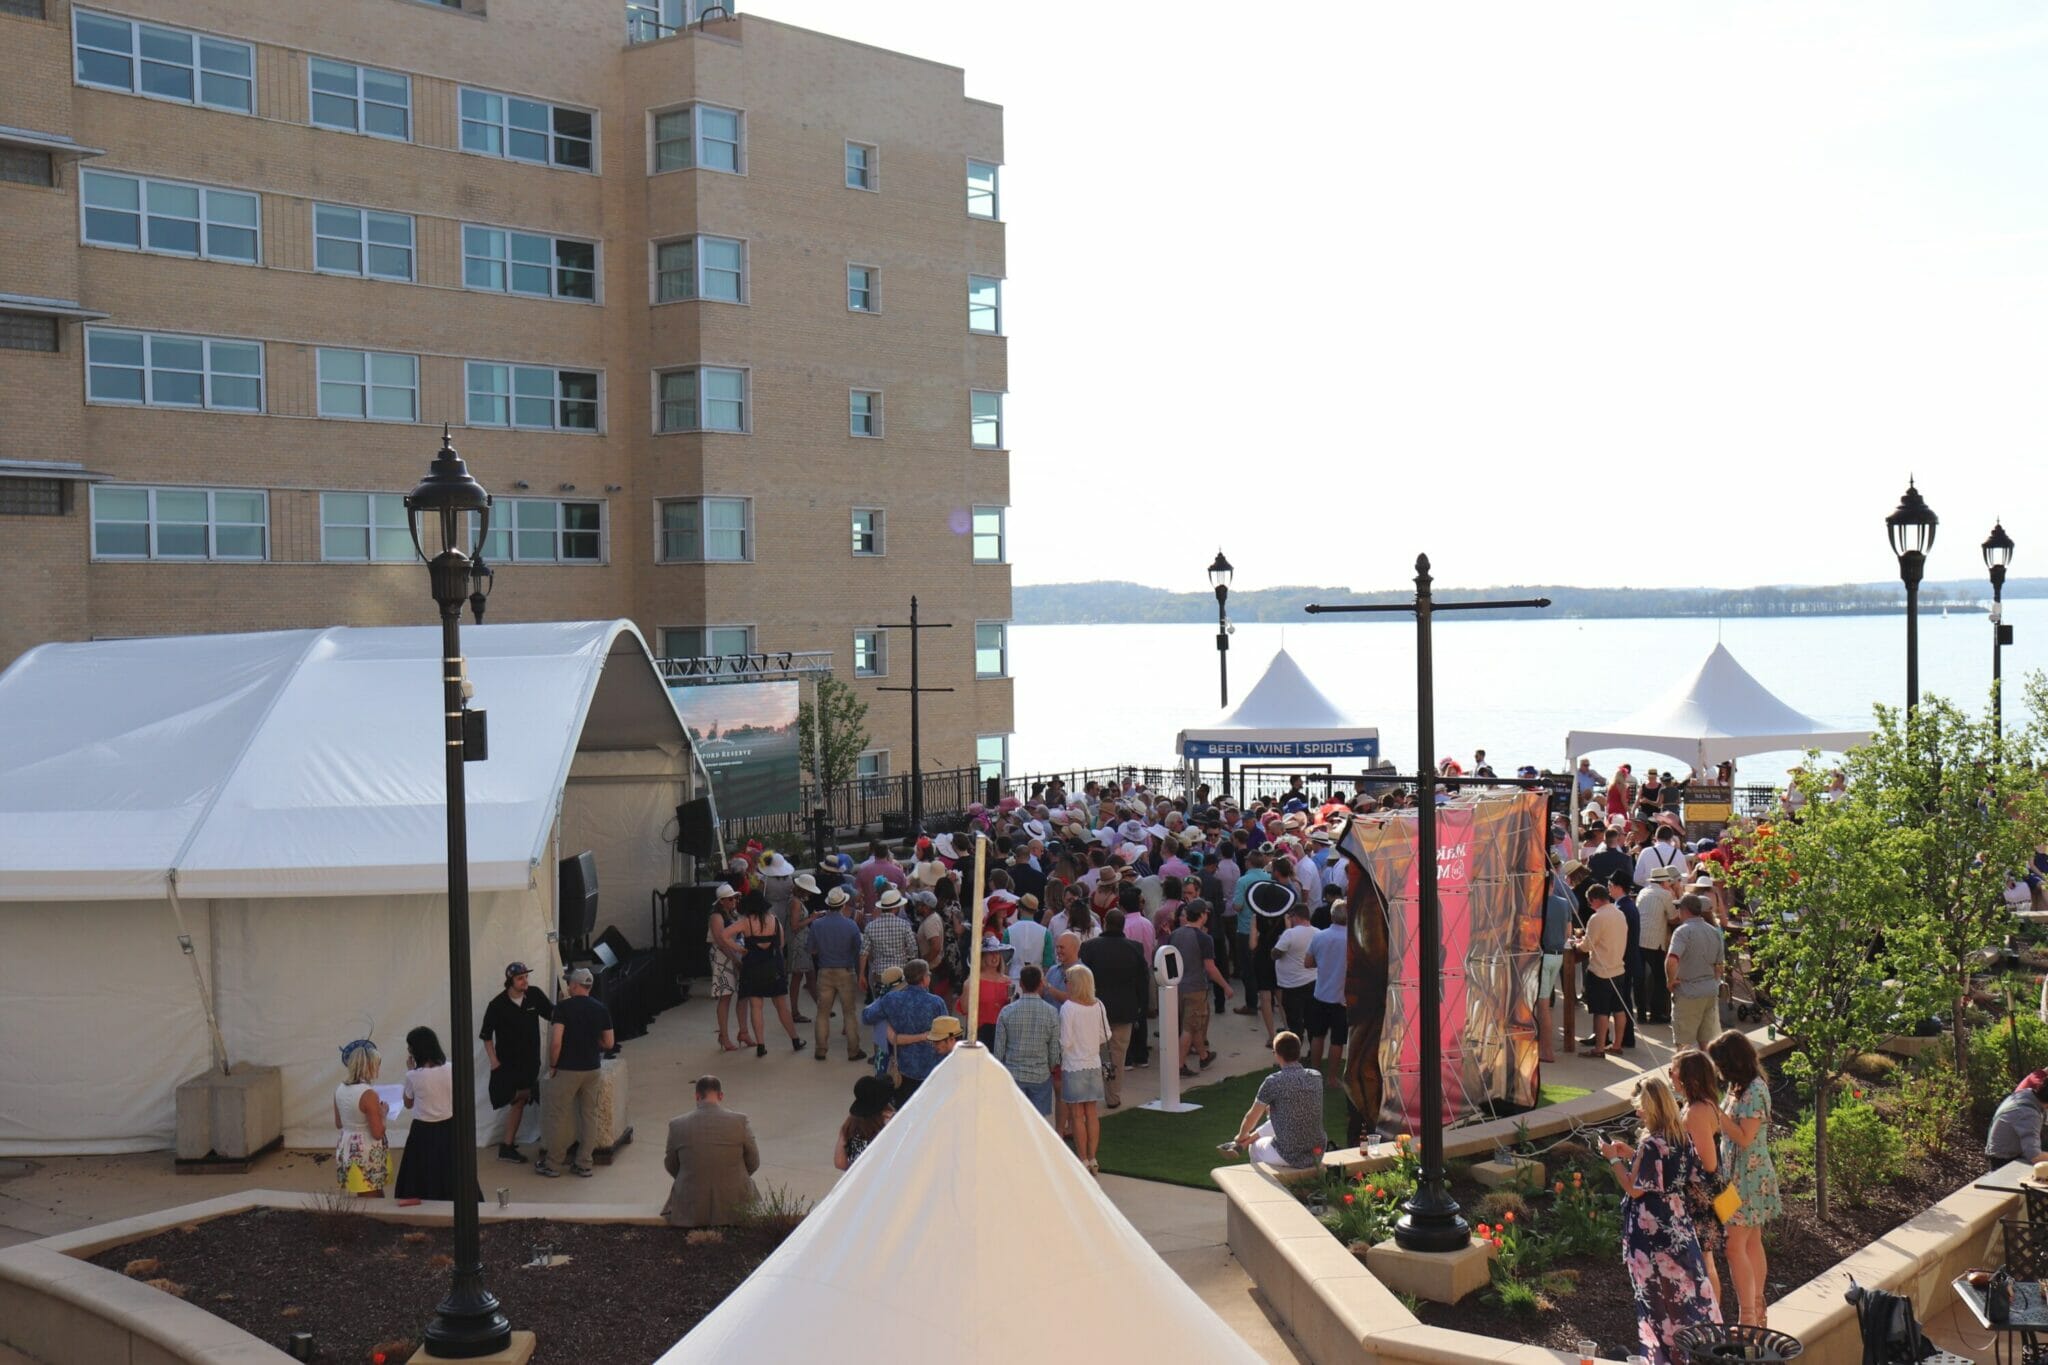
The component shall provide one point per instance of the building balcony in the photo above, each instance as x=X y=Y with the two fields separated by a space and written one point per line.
x=649 y=21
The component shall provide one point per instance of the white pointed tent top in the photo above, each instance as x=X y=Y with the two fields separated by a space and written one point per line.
x=967 y=1205
x=1720 y=712
x=1284 y=709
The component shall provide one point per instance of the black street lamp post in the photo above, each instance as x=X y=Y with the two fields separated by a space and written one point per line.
x=1997 y=556
x=1219 y=579
x=449 y=515
x=1911 y=528
x=917 y=689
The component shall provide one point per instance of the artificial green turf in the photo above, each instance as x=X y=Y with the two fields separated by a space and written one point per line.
x=1180 y=1149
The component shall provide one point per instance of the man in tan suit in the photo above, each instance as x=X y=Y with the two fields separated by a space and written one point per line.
x=713 y=1156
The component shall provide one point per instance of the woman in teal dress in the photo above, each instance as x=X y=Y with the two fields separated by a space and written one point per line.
x=1746 y=1162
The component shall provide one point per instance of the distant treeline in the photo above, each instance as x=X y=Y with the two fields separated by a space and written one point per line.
x=1049 y=604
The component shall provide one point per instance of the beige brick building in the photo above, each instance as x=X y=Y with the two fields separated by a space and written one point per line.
x=712 y=303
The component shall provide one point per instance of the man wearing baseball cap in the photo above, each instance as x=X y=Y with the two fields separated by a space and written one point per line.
x=582 y=1035
x=511 y=1039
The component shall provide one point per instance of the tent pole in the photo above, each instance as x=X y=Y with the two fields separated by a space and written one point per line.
x=220 y=1048
x=974 y=943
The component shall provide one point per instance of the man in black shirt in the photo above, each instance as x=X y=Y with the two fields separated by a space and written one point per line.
x=512 y=1043
x=581 y=1036
x=1121 y=974
x=1025 y=879
x=1610 y=860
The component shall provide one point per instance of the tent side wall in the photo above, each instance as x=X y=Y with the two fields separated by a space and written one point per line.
x=618 y=805
x=102 y=1024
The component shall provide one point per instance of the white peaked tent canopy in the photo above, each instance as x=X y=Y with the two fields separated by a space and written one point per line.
x=1720 y=712
x=1283 y=716
x=289 y=787
x=965 y=1190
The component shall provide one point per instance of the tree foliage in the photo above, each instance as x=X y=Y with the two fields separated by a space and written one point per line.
x=845 y=734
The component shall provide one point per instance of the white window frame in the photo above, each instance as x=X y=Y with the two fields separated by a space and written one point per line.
x=503 y=125
x=361 y=99
x=368 y=386
x=502 y=545
x=974 y=534
x=153 y=522
x=661 y=550
x=208 y=373
x=204 y=223
x=980 y=772
x=746 y=401
x=704 y=632
x=870 y=168
x=699 y=271
x=1004 y=647
x=134 y=58
x=874 y=783
x=874 y=287
x=997 y=281
x=507 y=263
x=879 y=532
x=1001 y=435
x=696 y=139
x=874 y=414
x=878 y=653
x=995 y=190
x=370 y=526
x=363 y=244
x=510 y=393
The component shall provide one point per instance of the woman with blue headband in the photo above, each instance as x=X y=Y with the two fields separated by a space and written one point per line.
x=362 y=1163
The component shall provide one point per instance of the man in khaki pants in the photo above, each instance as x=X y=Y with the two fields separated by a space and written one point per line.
x=581 y=1036
x=835 y=957
x=1692 y=968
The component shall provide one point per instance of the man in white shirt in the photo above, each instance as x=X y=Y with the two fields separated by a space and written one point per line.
x=1656 y=909
x=1291 y=968
x=1664 y=852
x=1604 y=941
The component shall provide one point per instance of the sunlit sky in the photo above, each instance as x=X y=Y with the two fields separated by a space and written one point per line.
x=1596 y=293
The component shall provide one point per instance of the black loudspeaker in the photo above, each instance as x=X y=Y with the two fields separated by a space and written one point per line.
x=697 y=828
x=689 y=919
x=578 y=906
x=992 y=791
x=616 y=941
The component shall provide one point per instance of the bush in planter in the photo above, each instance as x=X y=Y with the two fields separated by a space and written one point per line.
x=1991 y=1057
x=1864 y=1151
x=1926 y=1106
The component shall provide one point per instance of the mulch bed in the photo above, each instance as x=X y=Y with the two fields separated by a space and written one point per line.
x=1797 y=1246
x=360 y=1284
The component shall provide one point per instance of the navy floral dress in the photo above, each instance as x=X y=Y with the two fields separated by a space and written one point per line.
x=1661 y=1249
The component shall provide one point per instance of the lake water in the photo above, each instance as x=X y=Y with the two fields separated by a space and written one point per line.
x=1092 y=696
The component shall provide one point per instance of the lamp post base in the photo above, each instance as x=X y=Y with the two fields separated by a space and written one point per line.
x=1432 y=1225
x=467 y=1326
x=516 y=1351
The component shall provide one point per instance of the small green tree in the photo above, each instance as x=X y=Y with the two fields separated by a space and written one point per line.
x=1834 y=945
x=1969 y=809
x=845 y=733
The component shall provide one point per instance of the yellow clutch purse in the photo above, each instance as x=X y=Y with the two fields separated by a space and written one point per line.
x=1726 y=1202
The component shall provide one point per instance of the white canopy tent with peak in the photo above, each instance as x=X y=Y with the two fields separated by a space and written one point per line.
x=1284 y=716
x=1719 y=712
x=965 y=1191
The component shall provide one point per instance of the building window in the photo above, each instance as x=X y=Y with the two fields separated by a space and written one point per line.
x=27 y=165
x=991 y=649
x=506 y=262
x=703 y=399
x=981 y=190
x=163 y=63
x=27 y=332
x=867 y=531
x=171 y=217
x=992 y=756
x=870 y=654
x=545 y=531
x=31 y=497
x=374 y=385
x=988 y=535
x=864 y=413
x=527 y=130
x=166 y=371
x=871 y=770
x=701 y=268
x=364 y=528
x=984 y=305
x=27 y=9
x=860 y=166
x=180 y=523
x=352 y=241
x=706 y=642
x=535 y=397
x=707 y=530
x=360 y=99
x=701 y=136
x=986 y=424
x=863 y=289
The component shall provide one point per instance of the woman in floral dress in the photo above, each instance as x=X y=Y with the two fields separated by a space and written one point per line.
x=1659 y=1245
x=1746 y=1161
x=362 y=1163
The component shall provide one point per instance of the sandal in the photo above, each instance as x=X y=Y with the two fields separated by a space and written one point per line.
x=728 y=1045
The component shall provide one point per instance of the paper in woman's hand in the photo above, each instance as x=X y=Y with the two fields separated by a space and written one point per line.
x=393 y=1097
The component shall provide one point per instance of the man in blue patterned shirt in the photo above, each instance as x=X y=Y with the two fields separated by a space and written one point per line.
x=910 y=1012
x=1028 y=1039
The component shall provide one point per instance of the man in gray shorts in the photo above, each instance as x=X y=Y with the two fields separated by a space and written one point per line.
x=1692 y=968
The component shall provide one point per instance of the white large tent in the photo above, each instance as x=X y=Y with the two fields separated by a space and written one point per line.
x=1284 y=716
x=1719 y=712
x=280 y=799
x=966 y=1211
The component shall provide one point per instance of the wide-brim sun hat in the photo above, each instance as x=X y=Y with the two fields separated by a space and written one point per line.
x=806 y=883
x=1270 y=898
x=890 y=899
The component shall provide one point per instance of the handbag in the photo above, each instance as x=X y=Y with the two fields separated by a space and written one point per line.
x=1726 y=1203
x=1109 y=1058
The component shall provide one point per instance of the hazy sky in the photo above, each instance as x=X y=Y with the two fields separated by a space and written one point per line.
x=1596 y=293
